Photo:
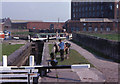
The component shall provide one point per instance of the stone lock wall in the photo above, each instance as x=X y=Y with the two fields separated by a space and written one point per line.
x=107 y=47
x=20 y=56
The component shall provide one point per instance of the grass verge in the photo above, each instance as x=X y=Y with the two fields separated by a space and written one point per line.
x=21 y=33
x=114 y=37
x=9 y=49
x=75 y=58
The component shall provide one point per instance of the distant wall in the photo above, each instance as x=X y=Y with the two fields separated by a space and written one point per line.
x=18 y=30
x=107 y=47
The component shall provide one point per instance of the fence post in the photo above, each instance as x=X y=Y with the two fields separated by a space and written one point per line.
x=4 y=60
x=31 y=60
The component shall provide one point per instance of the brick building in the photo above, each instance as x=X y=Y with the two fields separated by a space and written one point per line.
x=46 y=26
x=19 y=24
x=5 y=24
x=93 y=10
x=93 y=17
x=91 y=25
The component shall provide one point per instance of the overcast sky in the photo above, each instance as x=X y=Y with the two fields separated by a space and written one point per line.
x=44 y=11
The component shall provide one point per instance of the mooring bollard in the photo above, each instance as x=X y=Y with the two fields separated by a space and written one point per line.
x=4 y=60
x=31 y=60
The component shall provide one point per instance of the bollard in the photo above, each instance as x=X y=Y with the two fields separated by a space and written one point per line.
x=31 y=60
x=29 y=38
x=47 y=38
x=4 y=60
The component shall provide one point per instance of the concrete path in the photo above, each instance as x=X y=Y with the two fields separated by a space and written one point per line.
x=108 y=68
x=61 y=75
x=45 y=55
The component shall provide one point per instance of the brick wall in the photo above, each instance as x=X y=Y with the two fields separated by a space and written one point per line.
x=107 y=47
x=44 y=25
x=79 y=26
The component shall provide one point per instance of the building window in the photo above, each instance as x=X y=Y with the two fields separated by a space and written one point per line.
x=93 y=14
x=84 y=24
x=101 y=7
x=101 y=29
x=116 y=24
x=79 y=9
x=117 y=6
x=51 y=26
x=76 y=10
x=82 y=14
x=90 y=14
x=85 y=14
x=77 y=29
x=84 y=29
x=73 y=10
x=73 y=3
x=76 y=3
x=93 y=8
x=34 y=28
x=90 y=29
x=72 y=29
x=90 y=8
x=74 y=15
x=83 y=9
x=86 y=8
x=98 y=13
x=79 y=14
x=107 y=29
x=95 y=29
x=111 y=7
x=98 y=7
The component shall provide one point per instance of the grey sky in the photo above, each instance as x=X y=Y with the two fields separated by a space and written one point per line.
x=45 y=11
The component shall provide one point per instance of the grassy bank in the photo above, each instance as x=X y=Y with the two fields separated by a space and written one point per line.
x=75 y=58
x=9 y=49
x=22 y=33
x=114 y=37
x=94 y=51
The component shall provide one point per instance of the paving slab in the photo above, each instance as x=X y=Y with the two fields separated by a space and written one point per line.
x=89 y=75
x=60 y=75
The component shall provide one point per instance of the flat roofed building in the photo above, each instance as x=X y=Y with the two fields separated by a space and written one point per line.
x=93 y=10
x=19 y=24
x=90 y=25
x=94 y=16
x=49 y=26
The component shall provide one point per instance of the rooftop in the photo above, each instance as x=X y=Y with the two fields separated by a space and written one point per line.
x=96 y=20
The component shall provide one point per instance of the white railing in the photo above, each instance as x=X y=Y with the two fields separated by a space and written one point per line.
x=29 y=72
